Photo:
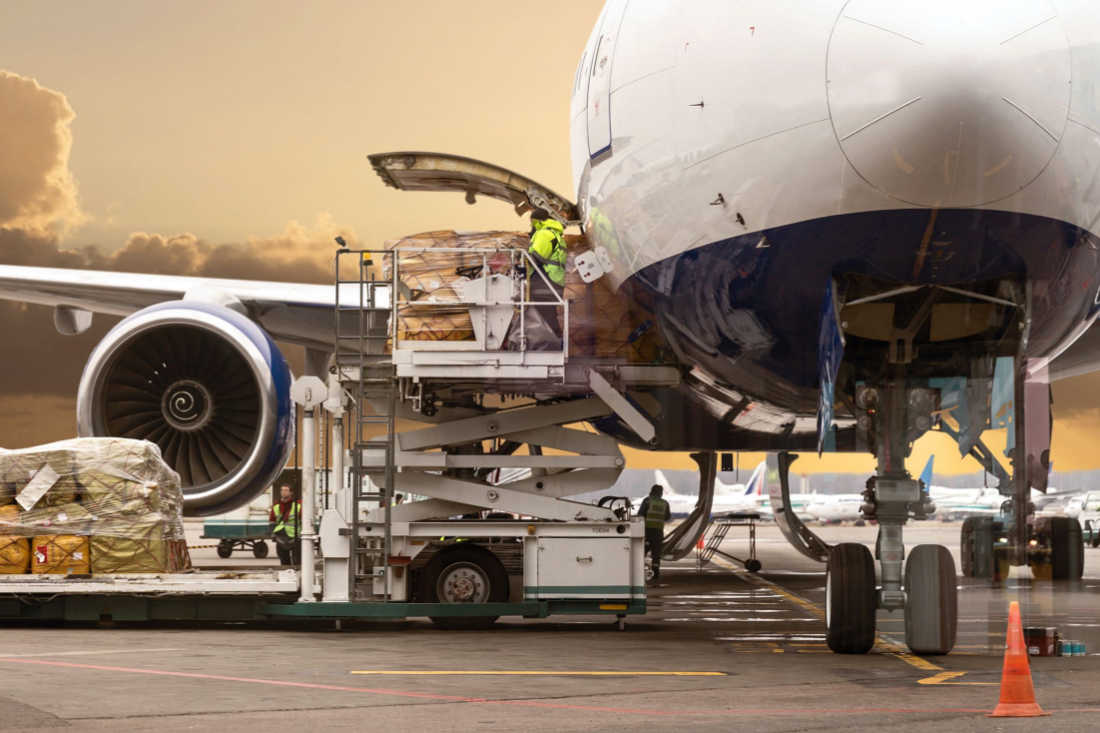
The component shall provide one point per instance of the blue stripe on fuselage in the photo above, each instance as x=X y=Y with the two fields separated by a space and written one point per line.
x=748 y=307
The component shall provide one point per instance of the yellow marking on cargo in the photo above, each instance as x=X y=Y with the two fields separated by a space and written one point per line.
x=535 y=673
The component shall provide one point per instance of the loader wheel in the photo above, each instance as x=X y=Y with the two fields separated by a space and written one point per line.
x=466 y=574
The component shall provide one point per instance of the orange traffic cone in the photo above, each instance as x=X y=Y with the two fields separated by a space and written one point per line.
x=1017 y=691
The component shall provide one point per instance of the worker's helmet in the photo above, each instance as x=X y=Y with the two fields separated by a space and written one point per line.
x=540 y=214
x=656 y=490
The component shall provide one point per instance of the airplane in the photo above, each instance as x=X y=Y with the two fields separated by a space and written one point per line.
x=746 y=497
x=843 y=219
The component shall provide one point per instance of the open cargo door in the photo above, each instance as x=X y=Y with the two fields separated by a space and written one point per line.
x=413 y=171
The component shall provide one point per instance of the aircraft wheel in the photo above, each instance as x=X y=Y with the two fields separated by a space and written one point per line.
x=1067 y=549
x=466 y=574
x=976 y=551
x=225 y=549
x=932 y=601
x=850 y=600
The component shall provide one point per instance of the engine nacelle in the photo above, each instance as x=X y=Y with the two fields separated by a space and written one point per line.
x=204 y=383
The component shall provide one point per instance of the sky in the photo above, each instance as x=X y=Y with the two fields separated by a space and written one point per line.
x=230 y=139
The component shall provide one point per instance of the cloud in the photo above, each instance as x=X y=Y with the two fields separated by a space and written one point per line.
x=37 y=190
x=297 y=254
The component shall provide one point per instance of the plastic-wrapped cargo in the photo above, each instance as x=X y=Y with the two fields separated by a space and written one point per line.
x=101 y=505
x=15 y=552
x=603 y=322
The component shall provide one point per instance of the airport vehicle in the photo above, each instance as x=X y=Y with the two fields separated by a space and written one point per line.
x=851 y=223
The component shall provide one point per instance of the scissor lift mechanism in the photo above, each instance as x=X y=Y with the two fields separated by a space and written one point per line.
x=571 y=557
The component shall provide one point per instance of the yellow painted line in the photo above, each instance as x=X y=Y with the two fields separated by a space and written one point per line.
x=945 y=677
x=534 y=673
x=888 y=646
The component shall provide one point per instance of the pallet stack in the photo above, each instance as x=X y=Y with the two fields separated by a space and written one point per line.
x=90 y=506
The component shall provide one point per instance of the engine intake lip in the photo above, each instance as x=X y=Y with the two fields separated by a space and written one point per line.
x=190 y=406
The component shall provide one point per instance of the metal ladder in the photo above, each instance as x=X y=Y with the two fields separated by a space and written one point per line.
x=714 y=541
x=361 y=337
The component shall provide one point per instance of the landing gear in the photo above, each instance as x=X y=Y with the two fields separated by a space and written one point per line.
x=850 y=599
x=931 y=607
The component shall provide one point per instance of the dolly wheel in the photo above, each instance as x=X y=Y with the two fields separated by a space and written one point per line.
x=225 y=549
x=259 y=550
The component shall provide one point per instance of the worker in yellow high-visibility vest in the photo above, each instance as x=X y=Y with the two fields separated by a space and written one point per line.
x=547 y=249
x=656 y=512
x=287 y=517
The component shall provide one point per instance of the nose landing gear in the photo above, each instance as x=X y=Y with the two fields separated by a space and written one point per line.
x=925 y=592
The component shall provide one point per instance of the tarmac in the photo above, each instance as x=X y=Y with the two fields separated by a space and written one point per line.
x=720 y=648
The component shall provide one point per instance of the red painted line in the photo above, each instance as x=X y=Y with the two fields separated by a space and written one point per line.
x=515 y=703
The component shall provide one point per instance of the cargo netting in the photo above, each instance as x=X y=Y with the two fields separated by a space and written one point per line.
x=90 y=505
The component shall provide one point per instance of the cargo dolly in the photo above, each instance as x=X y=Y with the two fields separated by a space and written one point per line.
x=238 y=534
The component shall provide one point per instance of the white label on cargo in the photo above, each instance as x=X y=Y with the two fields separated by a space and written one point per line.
x=40 y=483
x=78 y=555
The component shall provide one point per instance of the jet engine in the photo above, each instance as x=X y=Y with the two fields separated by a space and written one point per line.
x=207 y=385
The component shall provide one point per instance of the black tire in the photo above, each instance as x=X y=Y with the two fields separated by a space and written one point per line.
x=850 y=599
x=225 y=549
x=1067 y=549
x=477 y=563
x=753 y=566
x=260 y=550
x=932 y=600
x=976 y=550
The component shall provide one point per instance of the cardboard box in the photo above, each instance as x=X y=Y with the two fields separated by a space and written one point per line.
x=60 y=554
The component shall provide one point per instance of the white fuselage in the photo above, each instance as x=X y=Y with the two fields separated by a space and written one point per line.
x=795 y=111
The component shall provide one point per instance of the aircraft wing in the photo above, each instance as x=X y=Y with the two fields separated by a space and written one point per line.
x=290 y=312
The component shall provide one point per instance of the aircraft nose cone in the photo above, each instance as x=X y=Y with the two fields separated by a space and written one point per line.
x=949 y=103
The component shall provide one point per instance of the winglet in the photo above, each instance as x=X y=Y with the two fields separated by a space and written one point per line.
x=755 y=485
x=926 y=474
x=660 y=478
